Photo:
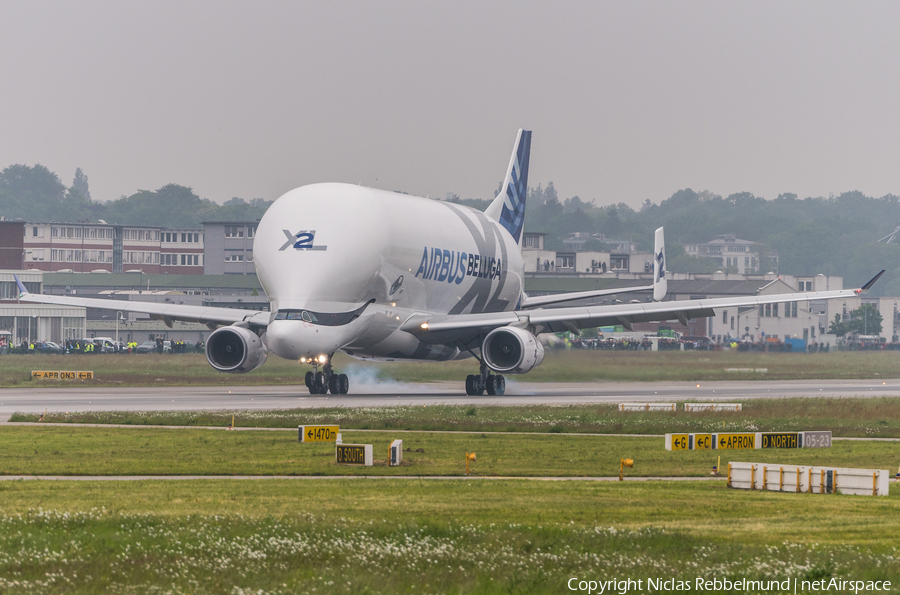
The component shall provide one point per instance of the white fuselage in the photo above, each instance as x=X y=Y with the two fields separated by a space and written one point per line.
x=332 y=248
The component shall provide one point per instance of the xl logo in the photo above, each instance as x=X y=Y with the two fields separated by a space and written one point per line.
x=302 y=240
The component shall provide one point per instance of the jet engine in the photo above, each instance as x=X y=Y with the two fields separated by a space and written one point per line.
x=512 y=350
x=235 y=349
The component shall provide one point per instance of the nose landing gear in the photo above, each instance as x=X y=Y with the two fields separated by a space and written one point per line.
x=321 y=382
x=477 y=384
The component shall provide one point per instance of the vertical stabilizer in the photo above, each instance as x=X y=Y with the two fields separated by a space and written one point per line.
x=509 y=206
x=660 y=286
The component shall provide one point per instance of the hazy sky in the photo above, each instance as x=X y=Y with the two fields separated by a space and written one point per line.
x=627 y=101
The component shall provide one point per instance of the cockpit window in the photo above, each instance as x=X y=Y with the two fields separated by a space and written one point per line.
x=321 y=318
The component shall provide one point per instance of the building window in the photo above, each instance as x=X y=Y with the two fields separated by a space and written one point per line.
x=775 y=310
x=732 y=323
x=724 y=316
x=234 y=231
x=197 y=238
x=251 y=231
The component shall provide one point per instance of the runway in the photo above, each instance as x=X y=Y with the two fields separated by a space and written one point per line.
x=53 y=399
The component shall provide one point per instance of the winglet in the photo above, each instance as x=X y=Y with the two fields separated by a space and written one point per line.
x=660 y=285
x=870 y=283
x=23 y=291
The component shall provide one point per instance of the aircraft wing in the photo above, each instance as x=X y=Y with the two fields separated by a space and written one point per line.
x=544 y=300
x=168 y=313
x=440 y=328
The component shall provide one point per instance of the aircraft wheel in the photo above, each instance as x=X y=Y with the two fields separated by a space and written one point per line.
x=491 y=385
x=310 y=377
x=320 y=384
x=479 y=386
x=470 y=384
x=499 y=385
x=344 y=384
x=334 y=384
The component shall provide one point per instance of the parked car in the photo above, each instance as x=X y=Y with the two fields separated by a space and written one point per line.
x=147 y=347
x=106 y=344
x=49 y=347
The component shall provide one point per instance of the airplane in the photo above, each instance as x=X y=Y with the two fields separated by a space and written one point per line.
x=386 y=276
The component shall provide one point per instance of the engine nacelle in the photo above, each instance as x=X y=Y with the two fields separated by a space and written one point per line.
x=512 y=350
x=235 y=349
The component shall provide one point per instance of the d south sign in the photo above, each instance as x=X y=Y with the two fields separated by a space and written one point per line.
x=351 y=454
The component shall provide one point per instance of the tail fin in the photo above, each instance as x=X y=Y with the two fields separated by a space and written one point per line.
x=660 y=285
x=509 y=206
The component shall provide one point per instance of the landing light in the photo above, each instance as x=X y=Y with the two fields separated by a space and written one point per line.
x=303 y=360
x=425 y=325
x=322 y=359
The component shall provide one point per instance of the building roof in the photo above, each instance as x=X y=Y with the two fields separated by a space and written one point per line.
x=157 y=281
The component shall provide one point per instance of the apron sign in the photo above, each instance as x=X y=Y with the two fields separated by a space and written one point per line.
x=747 y=440
x=61 y=375
x=44 y=375
x=735 y=441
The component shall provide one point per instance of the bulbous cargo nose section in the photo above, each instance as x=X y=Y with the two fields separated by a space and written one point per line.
x=295 y=339
x=321 y=243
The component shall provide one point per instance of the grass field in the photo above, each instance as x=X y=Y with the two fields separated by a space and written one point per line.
x=65 y=450
x=365 y=534
x=873 y=418
x=421 y=536
x=558 y=366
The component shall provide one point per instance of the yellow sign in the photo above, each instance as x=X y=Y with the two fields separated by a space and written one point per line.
x=319 y=433
x=735 y=441
x=44 y=375
x=351 y=454
x=702 y=441
x=679 y=441
x=63 y=375
x=781 y=440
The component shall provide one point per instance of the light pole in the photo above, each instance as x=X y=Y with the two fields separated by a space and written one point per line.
x=118 y=317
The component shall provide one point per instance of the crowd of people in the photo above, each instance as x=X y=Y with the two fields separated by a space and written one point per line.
x=94 y=346
x=703 y=344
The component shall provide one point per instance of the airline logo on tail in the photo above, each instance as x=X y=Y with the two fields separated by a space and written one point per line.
x=513 y=215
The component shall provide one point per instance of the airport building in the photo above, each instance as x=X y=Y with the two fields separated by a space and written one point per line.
x=99 y=248
x=35 y=322
x=229 y=247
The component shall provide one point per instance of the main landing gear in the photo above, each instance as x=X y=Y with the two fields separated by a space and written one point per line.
x=477 y=384
x=320 y=383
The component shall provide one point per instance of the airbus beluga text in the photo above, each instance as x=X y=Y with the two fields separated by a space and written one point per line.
x=397 y=277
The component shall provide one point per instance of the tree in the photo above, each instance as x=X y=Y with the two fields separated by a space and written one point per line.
x=80 y=184
x=865 y=320
x=838 y=328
